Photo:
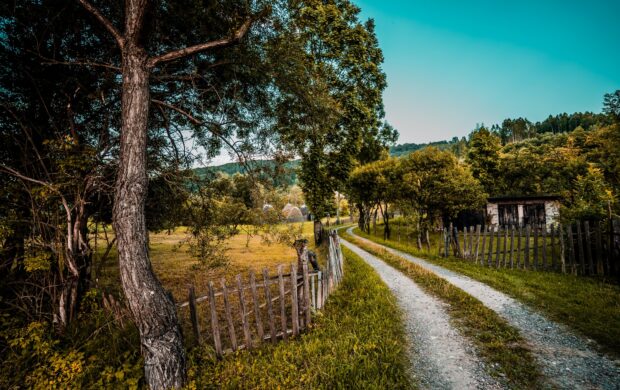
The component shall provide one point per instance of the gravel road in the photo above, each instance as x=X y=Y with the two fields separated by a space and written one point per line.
x=441 y=358
x=569 y=361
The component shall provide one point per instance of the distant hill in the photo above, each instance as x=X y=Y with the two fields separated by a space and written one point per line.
x=290 y=176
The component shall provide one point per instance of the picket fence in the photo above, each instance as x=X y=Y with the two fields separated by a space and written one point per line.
x=242 y=315
x=581 y=248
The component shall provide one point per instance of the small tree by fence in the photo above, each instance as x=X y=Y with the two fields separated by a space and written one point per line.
x=244 y=314
x=580 y=248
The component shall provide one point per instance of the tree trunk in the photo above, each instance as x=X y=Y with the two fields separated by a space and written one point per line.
x=153 y=310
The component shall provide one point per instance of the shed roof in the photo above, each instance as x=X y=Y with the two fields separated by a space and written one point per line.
x=516 y=198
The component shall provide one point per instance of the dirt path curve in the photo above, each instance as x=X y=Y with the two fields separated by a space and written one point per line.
x=568 y=360
x=441 y=357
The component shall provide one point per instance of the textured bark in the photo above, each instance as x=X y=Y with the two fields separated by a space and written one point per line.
x=152 y=308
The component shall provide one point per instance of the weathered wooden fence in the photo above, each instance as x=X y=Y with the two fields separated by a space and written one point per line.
x=244 y=313
x=581 y=248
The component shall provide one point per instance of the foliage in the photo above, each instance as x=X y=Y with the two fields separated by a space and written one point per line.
x=358 y=341
x=483 y=158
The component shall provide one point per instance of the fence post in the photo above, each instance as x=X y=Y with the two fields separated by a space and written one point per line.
x=599 y=248
x=536 y=231
x=484 y=244
x=193 y=314
x=294 y=300
x=520 y=233
x=505 y=247
x=283 y=321
x=477 y=243
x=497 y=246
x=257 y=313
x=215 y=327
x=446 y=240
x=588 y=239
x=554 y=253
x=272 y=325
x=571 y=252
x=526 y=258
x=229 y=320
x=512 y=242
x=544 y=247
x=580 y=245
x=562 y=251
x=306 y=294
x=319 y=290
x=490 y=254
x=244 y=316
x=465 y=251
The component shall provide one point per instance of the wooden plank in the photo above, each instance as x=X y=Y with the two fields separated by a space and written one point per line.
x=257 y=313
x=599 y=250
x=215 y=327
x=193 y=314
x=478 y=227
x=498 y=247
x=571 y=249
x=490 y=254
x=582 y=258
x=307 y=302
x=562 y=250
x=428 y=240
x=283 y=320
x=554 y=250
x=229 y=318
x=244 y=314
x=526 y=257
x=588 y=245
x=505 y=247
x=465 y=251
x=294 y=299
x=544 y=247
x=446 y=241
x=518 y=260
x=270 y=316
x=512 y=241
x=535 y=254
x=319 y=290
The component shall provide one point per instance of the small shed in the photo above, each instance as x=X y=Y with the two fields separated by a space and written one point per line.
x=538 y=210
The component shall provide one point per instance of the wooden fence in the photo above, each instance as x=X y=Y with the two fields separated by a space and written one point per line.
x=580 y=248
x=243 y=314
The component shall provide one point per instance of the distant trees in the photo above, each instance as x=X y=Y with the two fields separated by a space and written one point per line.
x=483 y=158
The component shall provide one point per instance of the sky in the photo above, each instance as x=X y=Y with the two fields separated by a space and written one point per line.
x=451 y=65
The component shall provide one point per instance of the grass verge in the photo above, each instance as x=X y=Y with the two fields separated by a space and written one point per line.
x=498 y=343
x=357 y=342
x=591 y=306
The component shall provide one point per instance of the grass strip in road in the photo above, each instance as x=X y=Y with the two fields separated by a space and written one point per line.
x=358 y=341
x=498 y=343
x=591 y=306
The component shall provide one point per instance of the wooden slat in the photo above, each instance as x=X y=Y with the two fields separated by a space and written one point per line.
x=465 y=251
x=512 y=242
x=544 y=247
x=307 y=302
x=312 y=291
x=446 y=241
x=505 y=247
x=571 y=249
x=215 y=327
x=295 y=300
x=270 y=316
x=257 y=313
x=283 y=320
x=554 y=251
x=193 y=314
x=319 y=290
x=490 y=254
x=244 y=314
x=535 y=255
x=497 y=246
x=526 y=257
x=582 y=257
x=588 y=245
x=477 y=243
x=562 y=250
x=518 y=260
x=599 y=249
x=229 y=318
x=484 y=242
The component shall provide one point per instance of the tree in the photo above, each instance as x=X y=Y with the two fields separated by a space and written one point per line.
x=611 y=105
x=483 y=157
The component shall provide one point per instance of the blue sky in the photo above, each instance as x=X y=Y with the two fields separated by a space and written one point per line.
x=453 y=64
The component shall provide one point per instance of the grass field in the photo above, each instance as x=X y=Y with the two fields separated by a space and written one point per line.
x=591 y=306
x=357 y=342
x=177 y=269
x=497 y=342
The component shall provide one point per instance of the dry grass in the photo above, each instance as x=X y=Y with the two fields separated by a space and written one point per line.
x=177 y=269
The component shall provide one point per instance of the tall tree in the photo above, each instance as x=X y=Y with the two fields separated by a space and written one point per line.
x=483 y=157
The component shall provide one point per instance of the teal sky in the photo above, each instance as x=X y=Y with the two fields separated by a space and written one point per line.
x=453 y=64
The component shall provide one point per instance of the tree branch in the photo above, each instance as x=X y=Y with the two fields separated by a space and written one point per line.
x=187 y=51
x=105 y=22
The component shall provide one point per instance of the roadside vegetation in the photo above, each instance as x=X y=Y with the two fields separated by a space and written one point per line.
x=357 y=342
x=498 y=343
x=591 y=306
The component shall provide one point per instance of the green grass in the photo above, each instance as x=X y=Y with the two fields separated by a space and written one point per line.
x=591 y=306
x=497 y=342
x=358 y=341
